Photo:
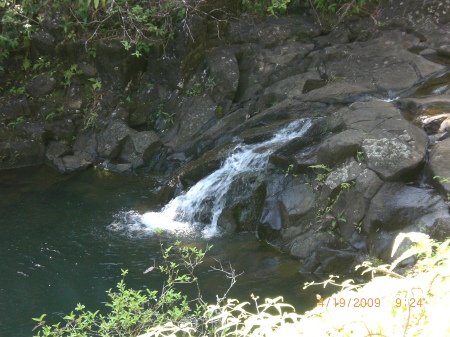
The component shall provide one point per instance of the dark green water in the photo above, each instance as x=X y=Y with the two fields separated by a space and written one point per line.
x=57 y=248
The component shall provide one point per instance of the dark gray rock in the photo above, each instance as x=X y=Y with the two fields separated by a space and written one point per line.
x=224 y=70
x=193 y=116
x=303 y=246
x=440 y=230
x=439 y=164
x=42 y=44
x=391 y=146
x=339 y=147
x=206 y=164
x=397 y=205
x=336 y=260
x=111 y=139
x=41 y=85
x=74 y=163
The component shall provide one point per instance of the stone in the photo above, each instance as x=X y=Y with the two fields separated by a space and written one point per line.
x=397 y=205
x=339 y=147
x=439 y=165
x=440 y=230
x=74 y=163
x=41 y=85
x=344 y=173
x=111 y=139
x=42 y=44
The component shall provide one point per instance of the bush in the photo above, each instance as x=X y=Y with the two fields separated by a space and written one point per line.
x=389 y=305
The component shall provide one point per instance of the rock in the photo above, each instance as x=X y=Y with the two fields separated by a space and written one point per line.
x=341 y=146
x=440 y=230
x=12 y=109
x=427 y=105
x=289 y=201
x=74 y=163
x=206 y=164
x=55 y=151
x=224 y=70
x=193 y=116
x=42 y=44
x=116 y=66
x=336 y=260
x=397 y=205
x=439 y=165
x=392 y=146
x=389 y=156
x=291 y=87
x=41 y=85
x=111 y=139
x=303 y=246
x=348 y=171
x=140 y=147
x=86 y=145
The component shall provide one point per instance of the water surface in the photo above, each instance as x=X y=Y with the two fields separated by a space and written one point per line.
x=58 y=248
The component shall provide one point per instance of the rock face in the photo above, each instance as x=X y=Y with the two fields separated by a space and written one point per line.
x=356 y=178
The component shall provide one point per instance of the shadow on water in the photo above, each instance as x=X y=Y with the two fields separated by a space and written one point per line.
x=57 y=248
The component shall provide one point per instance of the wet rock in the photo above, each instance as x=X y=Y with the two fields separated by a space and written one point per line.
x=397 y=205
x=41 y=85
x=245 y=200
x=336 y=260
x=289 y=201
x=206 y=164
x=439 y=164
x=432 y=124
x=338 y=147
x=427 y=105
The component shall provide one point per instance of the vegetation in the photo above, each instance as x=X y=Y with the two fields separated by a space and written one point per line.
x=389 y=305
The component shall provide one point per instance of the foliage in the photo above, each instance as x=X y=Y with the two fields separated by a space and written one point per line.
x=392 y=304
x=389 y=305
x=133 y=312
x=137 y=23
x=168 y=117
x=264 y=7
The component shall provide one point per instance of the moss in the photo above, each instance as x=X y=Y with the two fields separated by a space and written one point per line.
x=219 y=111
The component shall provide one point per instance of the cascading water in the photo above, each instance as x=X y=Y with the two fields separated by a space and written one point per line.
x=183 y=213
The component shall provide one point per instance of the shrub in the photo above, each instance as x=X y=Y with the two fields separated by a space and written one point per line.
x=389 y=305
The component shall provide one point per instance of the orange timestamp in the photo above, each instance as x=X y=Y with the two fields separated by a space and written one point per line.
x=351 y=302
x=409 y=302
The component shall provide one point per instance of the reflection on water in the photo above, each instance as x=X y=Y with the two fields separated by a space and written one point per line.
x=57 y=248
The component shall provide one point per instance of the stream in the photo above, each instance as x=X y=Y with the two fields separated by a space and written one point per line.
x=65 y=238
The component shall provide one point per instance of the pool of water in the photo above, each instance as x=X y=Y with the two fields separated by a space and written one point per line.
x=58 y=248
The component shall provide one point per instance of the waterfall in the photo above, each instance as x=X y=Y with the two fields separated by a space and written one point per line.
x=182 y=213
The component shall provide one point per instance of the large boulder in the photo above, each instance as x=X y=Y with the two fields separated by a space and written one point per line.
x=392 y=146
x=397 y=205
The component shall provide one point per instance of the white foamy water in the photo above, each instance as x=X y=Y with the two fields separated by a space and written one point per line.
x=183 y=213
